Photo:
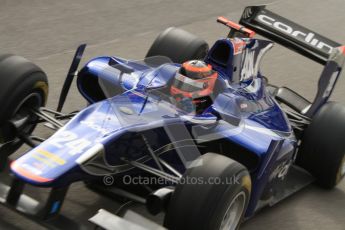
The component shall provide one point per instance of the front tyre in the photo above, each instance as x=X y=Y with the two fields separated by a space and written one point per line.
x=217 y=201
x=24 y=87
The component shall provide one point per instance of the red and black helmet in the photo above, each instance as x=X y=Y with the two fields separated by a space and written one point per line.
x=195 y=80
x=196 y=69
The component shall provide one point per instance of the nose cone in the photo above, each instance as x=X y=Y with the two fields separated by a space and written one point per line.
x=44 y=164
x=58 y=155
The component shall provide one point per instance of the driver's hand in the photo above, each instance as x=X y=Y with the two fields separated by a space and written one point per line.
x=187 y=105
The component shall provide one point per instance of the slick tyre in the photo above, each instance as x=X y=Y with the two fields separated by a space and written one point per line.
x=24 y=86
x=207 y=205
x=322 y=151
x=178 y=45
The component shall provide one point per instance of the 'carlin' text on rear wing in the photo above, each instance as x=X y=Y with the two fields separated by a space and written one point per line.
x=288 y=33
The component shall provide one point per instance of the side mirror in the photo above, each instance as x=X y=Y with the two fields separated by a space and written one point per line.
x=230 y=118
x=227 y=109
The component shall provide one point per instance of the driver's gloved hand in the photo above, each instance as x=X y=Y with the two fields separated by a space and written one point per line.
x=187 y=105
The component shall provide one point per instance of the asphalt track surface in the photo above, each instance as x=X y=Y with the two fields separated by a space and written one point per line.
x=47 y=32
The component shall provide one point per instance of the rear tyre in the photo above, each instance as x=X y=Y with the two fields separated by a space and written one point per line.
x=322 y=151
x=24 y=86
x=208 y=205
x=178 y=45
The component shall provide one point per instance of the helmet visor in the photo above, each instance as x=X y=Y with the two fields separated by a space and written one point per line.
x=189 y=85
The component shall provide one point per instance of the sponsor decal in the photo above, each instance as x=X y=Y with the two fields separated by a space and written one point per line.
x=100 y=129
x=281 y=171
x=248 y=68
x=308 y=37
x=238 y=45
x=49 y=156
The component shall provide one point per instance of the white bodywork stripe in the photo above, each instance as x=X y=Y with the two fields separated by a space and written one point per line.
x=90 y=153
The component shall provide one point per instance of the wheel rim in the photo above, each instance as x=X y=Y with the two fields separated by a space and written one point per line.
x=32 y=101
x=234 y=212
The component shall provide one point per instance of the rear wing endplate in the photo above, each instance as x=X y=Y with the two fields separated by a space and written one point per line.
x=304 y=41
x=288 y=33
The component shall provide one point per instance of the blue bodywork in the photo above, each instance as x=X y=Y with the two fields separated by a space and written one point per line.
x=130 y=97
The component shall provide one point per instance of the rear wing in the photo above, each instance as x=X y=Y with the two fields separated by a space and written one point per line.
x=304 y=41
x=288 y=33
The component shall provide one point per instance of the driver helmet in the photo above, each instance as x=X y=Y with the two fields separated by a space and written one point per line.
x=194 y=81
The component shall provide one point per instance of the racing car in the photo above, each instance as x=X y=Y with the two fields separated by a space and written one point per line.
x=224 y=141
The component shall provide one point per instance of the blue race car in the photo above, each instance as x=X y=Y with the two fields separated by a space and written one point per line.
x=213 y=137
